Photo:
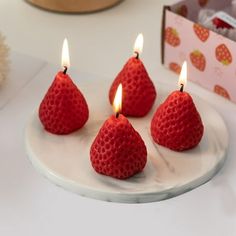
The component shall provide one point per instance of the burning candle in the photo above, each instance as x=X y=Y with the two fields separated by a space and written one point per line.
x=138 y=46
x=176 y=123
x=118 y=150
x=65 y=57
x=63 y=108
x=138 y=90
x=183 y=77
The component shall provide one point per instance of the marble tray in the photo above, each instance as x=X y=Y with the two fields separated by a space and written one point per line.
x=65 y=159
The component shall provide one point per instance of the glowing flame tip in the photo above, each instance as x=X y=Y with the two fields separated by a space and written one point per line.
x=183 y=75
x=117 y=104
x=138 y=45
x=65 y=57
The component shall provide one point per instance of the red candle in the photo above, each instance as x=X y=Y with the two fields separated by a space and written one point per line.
x=63 y=108
x=118 y=150
x=138 y=89
x=176 y=123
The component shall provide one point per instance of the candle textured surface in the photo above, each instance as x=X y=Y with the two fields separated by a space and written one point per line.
x=177 y=124
x=64 y=108
x=138 y=90
x=118 y=150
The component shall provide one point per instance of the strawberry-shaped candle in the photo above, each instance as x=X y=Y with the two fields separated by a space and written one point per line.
x=177 y=124
x=64 y=108
x=118 y=150
x=138 y=90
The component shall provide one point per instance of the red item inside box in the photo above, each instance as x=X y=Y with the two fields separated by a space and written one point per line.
x=221 y=24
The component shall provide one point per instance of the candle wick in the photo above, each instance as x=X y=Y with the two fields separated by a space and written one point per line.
x=65 y=70
x=117 y=114
x=137 y=55
x=181 y=88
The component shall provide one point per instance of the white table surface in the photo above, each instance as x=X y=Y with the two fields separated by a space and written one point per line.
x=100 y=44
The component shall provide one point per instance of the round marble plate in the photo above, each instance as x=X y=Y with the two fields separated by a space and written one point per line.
x=65 y=159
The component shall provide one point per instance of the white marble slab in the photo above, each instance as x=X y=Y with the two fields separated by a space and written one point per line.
x=65 y=159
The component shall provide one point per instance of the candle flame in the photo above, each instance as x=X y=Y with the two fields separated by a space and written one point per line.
x=138 y=45
x=183 y=75
x=65 y=57
x=117 y=104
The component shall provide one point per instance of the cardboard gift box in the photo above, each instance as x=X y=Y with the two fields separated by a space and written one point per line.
x=210 y=56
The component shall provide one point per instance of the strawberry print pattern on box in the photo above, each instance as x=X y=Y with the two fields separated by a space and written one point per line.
x=198 y=60
x=175 y=67
x=172 y=37
x=221 y=91
x=201 y=32
x=203 y=3
x=182 y=10
x=210 y=61
x=223 y=55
